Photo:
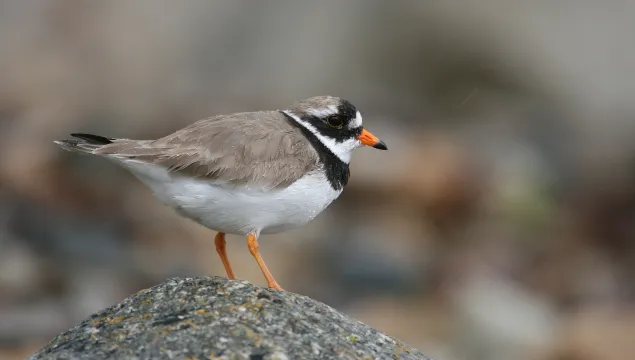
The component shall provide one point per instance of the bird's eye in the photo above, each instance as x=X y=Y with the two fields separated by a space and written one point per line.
x=335 y=121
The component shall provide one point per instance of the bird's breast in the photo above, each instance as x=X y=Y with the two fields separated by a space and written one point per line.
x=241 y=209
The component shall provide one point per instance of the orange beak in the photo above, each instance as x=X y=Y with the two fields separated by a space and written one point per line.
x=369 y=139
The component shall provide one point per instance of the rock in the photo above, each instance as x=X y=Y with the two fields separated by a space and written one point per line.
x=216 y=318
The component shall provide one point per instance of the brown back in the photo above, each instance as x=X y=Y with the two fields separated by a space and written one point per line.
x=255 y=148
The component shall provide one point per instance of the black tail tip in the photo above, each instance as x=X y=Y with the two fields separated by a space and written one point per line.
x=93 y=139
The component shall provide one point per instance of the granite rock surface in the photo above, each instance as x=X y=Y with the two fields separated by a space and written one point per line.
x=216 y=318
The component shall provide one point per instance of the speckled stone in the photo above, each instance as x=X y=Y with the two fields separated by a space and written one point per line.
x=215 y=318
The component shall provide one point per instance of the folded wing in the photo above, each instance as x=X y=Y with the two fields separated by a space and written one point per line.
x=259 y=149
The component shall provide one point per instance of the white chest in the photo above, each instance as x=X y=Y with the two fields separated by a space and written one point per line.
x=242 y=210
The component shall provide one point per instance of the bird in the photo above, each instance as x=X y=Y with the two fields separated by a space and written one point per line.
x=246 y=173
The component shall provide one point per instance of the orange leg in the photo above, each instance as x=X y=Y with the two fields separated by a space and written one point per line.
x=220 y=249
x=252 y=243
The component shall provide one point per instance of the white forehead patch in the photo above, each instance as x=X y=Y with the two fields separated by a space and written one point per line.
x=356 y=122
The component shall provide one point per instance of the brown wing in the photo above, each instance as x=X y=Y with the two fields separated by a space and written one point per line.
x=258 y=148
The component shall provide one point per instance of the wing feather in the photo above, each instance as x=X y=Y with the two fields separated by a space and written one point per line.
x=254 y=149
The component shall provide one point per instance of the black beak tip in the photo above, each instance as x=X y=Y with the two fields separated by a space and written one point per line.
x=380 y=145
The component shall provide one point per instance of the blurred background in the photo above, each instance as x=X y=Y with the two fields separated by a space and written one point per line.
x=499 y=225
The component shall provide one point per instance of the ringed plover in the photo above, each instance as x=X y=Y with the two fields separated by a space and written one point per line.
x=247 y=173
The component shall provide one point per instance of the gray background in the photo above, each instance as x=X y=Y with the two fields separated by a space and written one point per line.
x=499 y=225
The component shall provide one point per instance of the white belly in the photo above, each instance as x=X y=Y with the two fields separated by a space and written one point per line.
x=239 y=210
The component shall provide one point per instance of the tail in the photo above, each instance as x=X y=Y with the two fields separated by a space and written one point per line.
x=85 y=143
